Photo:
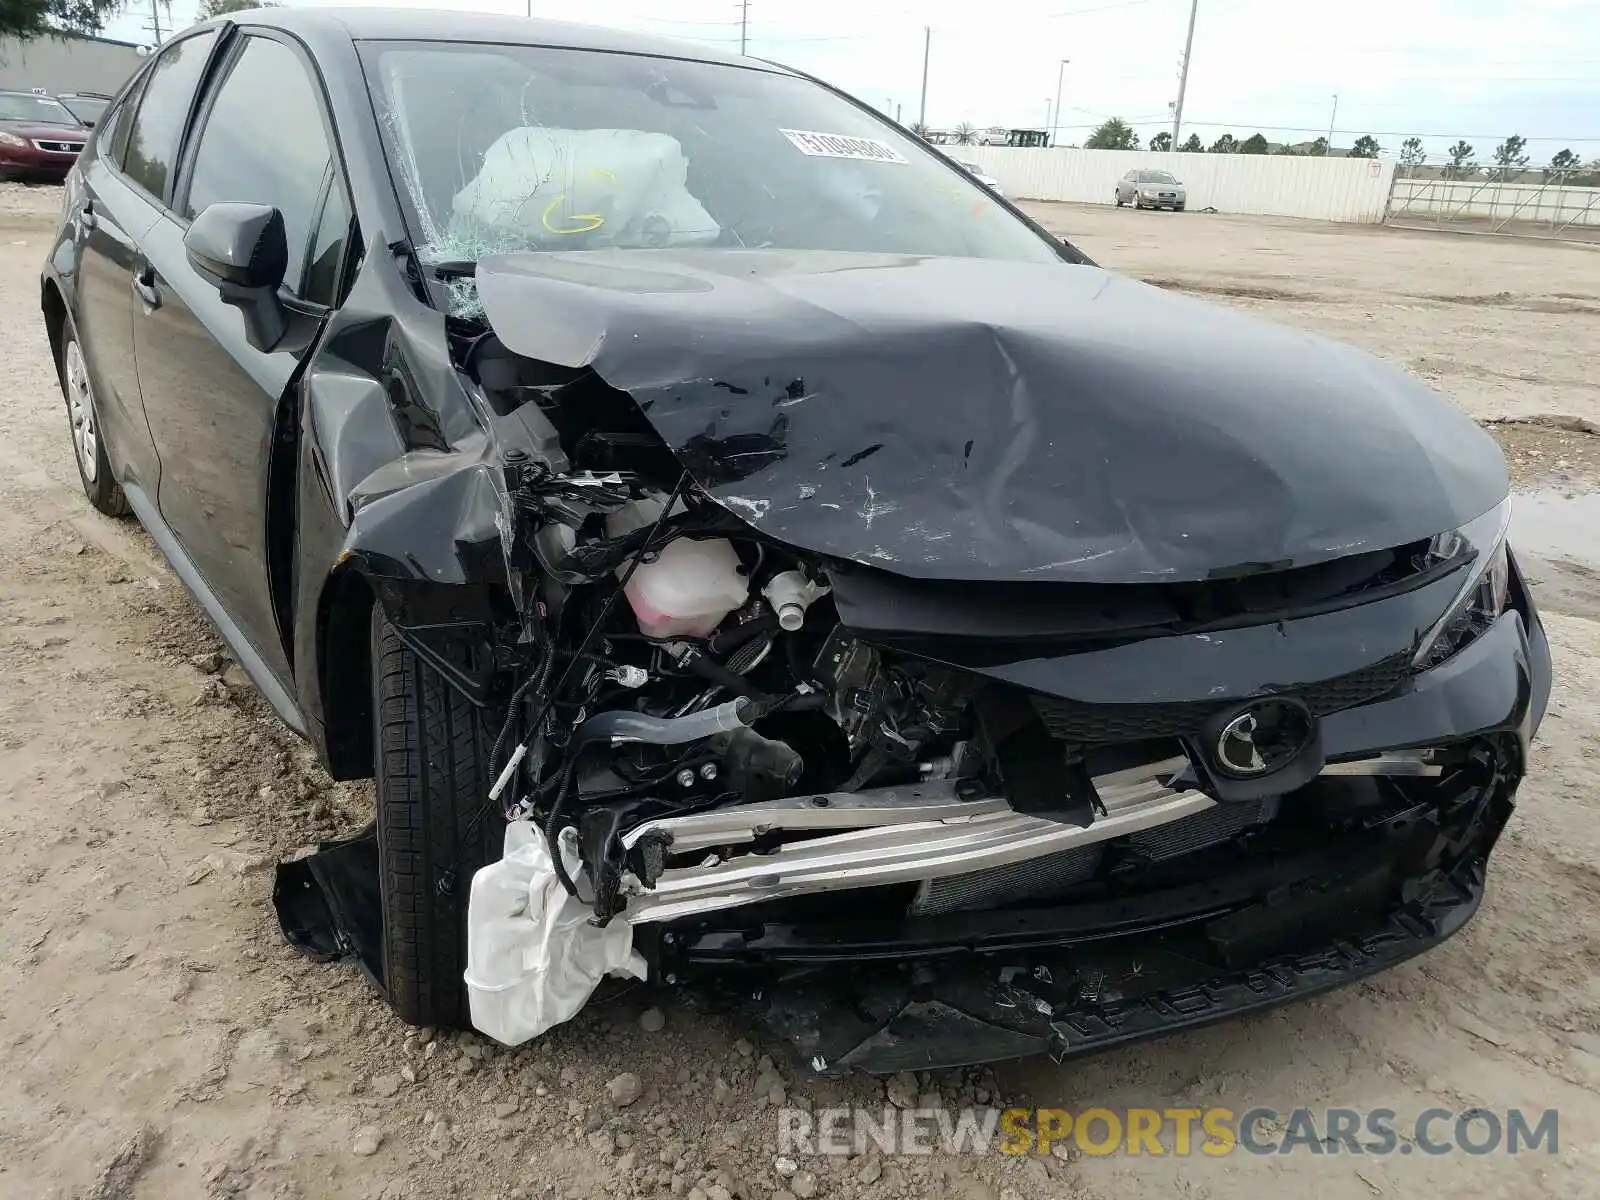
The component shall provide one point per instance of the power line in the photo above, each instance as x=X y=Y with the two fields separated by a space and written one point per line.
x=672 y=21
x=1080 y=12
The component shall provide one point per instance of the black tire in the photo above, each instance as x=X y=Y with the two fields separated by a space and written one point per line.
x=436 y=827
x=83 y=423
x=1118 y=199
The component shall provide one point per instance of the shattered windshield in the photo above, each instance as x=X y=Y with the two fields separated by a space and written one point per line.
x=513 y=148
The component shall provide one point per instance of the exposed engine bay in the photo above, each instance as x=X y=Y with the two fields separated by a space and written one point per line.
x=695 y=731
x=677 y=662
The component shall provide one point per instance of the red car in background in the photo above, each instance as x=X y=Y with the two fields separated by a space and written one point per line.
x=39 y=137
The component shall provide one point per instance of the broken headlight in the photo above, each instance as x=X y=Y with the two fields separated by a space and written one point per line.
x=1482 y=597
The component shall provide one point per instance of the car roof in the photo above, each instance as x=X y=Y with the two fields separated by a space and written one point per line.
x=422 y=24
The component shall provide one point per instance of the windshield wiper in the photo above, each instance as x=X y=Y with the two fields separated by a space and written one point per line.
x=461 y=268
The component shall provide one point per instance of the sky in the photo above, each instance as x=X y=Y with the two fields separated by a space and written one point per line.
x=1435 y=69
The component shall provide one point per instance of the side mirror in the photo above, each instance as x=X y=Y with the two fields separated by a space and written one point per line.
x=241 y=244
x=241 y=250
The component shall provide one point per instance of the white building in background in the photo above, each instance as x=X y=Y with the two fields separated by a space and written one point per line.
x=66 y=62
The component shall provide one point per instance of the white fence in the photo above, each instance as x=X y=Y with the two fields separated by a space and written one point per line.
x=1557 y=205
x=1265 y=185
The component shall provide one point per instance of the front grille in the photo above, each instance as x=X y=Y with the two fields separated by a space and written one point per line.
x=58 y=147
x=1101 y=724
x=1036 y=879
x=1188 y=834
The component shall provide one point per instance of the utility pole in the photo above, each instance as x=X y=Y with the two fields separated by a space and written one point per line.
x=1060 y=71
x=155 y=20
x=1183 y=77
x=1331 y=120
x=927 y=42
x=744 y=23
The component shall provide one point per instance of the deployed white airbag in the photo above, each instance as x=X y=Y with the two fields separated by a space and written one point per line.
x=615 y=187
x=533 y=958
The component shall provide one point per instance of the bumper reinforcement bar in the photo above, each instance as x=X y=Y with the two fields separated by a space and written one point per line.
x=897 y=835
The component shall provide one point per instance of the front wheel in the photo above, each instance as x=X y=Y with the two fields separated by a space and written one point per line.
x=88 y=444
x=436 y=826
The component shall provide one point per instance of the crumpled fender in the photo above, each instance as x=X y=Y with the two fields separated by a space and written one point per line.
x=398 y=498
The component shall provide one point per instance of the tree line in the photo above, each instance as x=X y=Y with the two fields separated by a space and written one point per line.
x=29 y=18
x=1510 y=159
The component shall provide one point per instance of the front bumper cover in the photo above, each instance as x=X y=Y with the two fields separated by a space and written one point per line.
x=969 y=988
x=985 y=1008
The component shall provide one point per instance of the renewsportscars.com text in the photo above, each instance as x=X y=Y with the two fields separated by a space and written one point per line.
x=1213 y=1132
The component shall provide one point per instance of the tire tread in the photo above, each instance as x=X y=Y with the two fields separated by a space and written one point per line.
x=432 y=748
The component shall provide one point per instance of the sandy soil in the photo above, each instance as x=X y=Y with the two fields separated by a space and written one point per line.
x=1504 y=326
x=160 y=1041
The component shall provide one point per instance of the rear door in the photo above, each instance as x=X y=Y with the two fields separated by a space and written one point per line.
x=120 y=202
x=262 y=136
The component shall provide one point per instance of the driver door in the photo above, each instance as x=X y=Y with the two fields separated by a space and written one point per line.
x=214 y=400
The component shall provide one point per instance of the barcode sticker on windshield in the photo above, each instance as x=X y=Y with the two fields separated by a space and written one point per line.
x=838 y=145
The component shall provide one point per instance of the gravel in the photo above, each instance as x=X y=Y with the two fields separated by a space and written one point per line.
x=624 y=1089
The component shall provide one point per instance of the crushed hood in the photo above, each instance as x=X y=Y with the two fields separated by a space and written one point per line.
x=966 y=419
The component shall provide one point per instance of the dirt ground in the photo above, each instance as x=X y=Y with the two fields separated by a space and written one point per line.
x=1504 y=326
x=159 y=1040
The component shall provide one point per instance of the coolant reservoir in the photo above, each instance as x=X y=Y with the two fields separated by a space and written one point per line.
x=690 y=589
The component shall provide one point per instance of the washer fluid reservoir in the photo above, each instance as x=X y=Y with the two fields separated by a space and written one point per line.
x=690 y=589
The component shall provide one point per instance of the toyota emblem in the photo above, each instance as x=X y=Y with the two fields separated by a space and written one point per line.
x=1266 y=737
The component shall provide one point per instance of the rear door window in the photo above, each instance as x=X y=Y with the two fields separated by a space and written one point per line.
x=108 y=134
x=264 y=141
x=157 y=129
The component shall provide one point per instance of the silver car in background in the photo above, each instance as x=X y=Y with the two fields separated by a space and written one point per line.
x=978 y=173
x=1151 y=189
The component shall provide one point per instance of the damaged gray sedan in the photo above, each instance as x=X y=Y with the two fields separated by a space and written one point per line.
x=748 y=554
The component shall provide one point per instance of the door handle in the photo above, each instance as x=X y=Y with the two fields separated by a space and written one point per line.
x=144 y=286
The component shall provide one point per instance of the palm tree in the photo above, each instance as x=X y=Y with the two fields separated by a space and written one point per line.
x=966 y=134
